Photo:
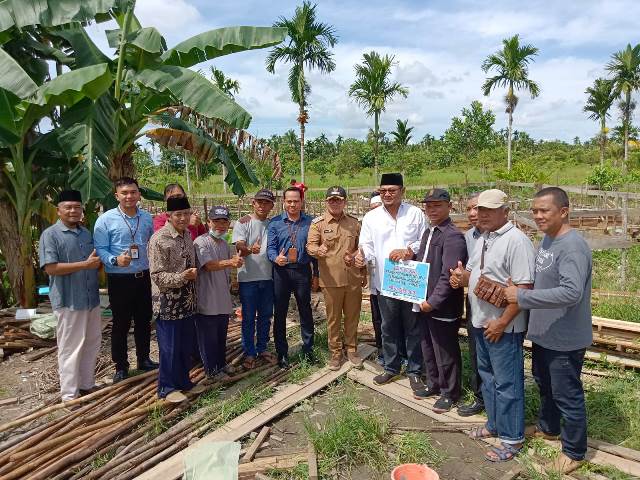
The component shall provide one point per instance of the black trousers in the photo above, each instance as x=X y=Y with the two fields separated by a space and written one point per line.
x=130 y=299
x=296 y=279
x=442 y=357
x=211 y=331
x=475 y=382
x=562 y=406
x=376 y=319
x=400 y=328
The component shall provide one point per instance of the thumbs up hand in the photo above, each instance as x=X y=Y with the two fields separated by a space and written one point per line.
x=511 y=292
x=255 y=248
x=93 y=261
x=124 y=259
x=359 y=260
x=322 y=251
x=456 y=276
x=281 y=259
x=236 y=261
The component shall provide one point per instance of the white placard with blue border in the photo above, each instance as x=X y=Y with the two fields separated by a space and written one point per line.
x=405 y=280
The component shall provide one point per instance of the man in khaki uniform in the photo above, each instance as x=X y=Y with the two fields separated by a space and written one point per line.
x=333 y=240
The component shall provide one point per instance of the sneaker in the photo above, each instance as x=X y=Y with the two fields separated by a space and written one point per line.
x=420 y=391
x=87 y=391
x=175 y=396
x=443 y=404
x=386 y=377
x=335 y=363
x=120 y=375
x=355 y=359
x=283 y=362
x=470 y=409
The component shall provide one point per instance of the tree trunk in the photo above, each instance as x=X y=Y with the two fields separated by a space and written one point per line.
x=302 y=128
x=603 y=140
x=20 y=266
x=509 y=132
x=186 y=170
x=224 y=175
x=375 y=147
x=122 y=165
x=627 y=119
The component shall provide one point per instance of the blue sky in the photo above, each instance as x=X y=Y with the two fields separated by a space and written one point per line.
x=439 y=47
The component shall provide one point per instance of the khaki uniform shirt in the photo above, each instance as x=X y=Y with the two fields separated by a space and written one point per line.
x=340 y=236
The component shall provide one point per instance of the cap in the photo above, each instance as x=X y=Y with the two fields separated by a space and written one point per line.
x=375 y=199
x=265 y=194
x=70 y=196
x=177 y=203
x=493 y=198
x=391 y=179
x=436 y=195
x=219 y=212
x=336 y=192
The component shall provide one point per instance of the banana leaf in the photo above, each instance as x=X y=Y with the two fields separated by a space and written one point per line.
x=222 y=41
x=85 y=52
x=13 y=78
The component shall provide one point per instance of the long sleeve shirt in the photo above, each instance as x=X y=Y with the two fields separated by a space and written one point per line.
x=283 y=234
x=381 y=233
x=115 y=232
x=560 y=302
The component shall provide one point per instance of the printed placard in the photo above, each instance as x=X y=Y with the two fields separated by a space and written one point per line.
x=405 y=280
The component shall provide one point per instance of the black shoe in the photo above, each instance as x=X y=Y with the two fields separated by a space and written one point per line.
x=385 y=378
x=120 y=375
x=443 y=404
x=308 y=357
x=420 y=391
x=147 y=365
x=470 y=409
x=283 y=362
x=82 y=392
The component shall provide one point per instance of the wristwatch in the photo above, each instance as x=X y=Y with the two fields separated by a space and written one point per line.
x=114 y=261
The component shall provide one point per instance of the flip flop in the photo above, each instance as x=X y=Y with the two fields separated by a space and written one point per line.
x=477 y=433
x=535 y=432
x=504 y=453
x=249 y=363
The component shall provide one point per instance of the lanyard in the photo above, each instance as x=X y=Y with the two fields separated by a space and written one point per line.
x=133 y=232
x=293 y=233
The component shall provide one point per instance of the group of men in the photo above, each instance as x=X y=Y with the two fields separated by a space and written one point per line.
x=180 y=275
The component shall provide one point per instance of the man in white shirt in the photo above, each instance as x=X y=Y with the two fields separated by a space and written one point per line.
x=394 y=231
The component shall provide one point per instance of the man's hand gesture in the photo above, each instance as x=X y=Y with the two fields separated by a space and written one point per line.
x=124 y=259
x=190 y=274
x=93 y=261
x=456 y=278
x=281 y=260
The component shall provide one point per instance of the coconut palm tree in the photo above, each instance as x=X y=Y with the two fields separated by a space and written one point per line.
x=402 y=134
x=624 y=68
x=372 y=89
x=512 y=66
x=224 y=83
x=308 y=47
x=600 y=98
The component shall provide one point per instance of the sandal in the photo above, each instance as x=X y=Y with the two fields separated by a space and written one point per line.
x=478 y=433
x=268 y=357
x=504 y=453
x=535 y=432
x=249 y=362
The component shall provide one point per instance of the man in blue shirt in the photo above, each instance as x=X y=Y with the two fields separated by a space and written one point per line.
x=67 y=255
x=121 y=236
x=287 y=239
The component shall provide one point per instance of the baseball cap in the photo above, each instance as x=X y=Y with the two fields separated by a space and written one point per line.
x=492 y=198
x=336 y=191
x=436 y=195
x=265 y=194
x=219 y=212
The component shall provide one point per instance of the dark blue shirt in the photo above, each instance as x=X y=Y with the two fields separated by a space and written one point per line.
x=279 y=237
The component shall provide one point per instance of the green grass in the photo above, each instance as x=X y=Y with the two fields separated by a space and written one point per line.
x=617 y=309
x=609 y=472
x=416 y=447
x=299 y=472
x=158 y=424
x=101 y=460
x=607 y=265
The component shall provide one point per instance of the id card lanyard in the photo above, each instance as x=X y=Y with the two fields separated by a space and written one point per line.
x=134 y=250
x=293 y=250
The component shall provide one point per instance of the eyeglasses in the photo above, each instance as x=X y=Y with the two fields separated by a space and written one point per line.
x=389 y=191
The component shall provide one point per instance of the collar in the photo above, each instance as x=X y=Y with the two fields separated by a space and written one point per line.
x=476 y=233
x=285 y=217
x=443 y=225
x=64 y=228
x=136 y=215
x=330 y=218
x=403 y=206
x=173 y=232
x=501 y=231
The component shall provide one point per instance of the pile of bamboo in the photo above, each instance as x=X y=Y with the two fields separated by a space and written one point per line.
x=15 y=339
x=62 y=441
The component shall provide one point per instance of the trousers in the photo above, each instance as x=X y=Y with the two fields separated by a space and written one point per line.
x=442 y=357
x=338 y=301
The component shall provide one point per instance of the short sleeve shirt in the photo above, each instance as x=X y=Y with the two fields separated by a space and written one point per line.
x=61 y=244
x=256 y=267
x=508 y=254
x=214 y=296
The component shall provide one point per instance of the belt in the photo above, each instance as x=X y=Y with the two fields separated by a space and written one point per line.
x=140 y=274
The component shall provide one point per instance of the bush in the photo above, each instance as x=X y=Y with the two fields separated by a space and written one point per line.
x=605 y=177
x=523 y=171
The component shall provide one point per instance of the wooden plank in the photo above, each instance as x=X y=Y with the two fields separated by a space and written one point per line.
x=313 y=462
x=624 y=452
x=251 y=452
x=172 y=468
x=262 y=464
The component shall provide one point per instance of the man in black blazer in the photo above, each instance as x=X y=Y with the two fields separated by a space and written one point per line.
x=442 y=246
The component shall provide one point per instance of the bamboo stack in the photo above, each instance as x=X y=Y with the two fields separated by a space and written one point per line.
x=62 y=441
x=15 y=339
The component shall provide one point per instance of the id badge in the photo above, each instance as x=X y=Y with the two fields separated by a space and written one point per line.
x=292 y=255
x=134 y=251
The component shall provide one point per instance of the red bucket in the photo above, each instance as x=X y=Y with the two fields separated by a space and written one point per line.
x=413 y=471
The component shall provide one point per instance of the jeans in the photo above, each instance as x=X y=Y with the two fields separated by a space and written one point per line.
x=175 y=341
x=562 y=398
x=501 y=367
x=211 y=331
x=296 y=279
x=400 y=327
x=475 y=382
x=256 y=298
x=130 y=298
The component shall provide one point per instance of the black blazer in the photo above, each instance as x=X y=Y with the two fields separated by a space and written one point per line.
x=446 y=248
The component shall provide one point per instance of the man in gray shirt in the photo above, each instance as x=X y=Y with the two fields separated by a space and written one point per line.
x=559 y=326
x=68 y=257
x=255 y=279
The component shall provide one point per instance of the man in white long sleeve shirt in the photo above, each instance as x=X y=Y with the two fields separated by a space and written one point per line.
x=394 y=231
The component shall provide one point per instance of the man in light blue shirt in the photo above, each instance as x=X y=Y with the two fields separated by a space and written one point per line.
x=121 y=236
